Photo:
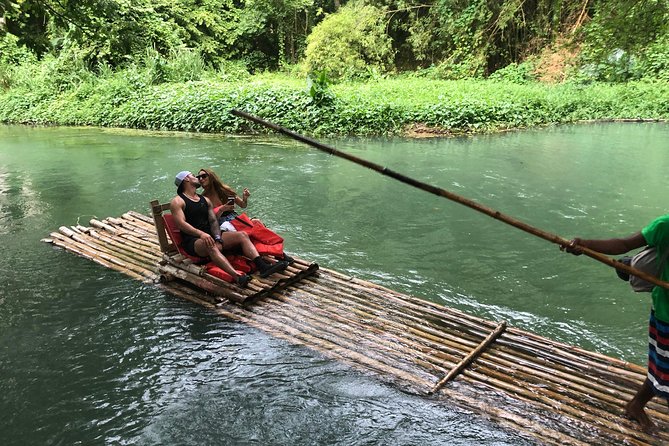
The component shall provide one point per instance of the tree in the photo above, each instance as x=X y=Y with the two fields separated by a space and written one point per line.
x=350 y=43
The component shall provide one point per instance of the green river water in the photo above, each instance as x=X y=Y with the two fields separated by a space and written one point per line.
x=89 y=356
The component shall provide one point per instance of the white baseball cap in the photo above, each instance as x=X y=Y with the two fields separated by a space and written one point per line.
x=180 y=177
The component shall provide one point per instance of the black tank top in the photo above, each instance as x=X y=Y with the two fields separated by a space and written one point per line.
x=197 y=214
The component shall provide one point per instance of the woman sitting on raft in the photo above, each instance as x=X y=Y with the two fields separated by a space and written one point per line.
x=222 y=197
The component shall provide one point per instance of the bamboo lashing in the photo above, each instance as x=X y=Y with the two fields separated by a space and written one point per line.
x=562 y=242
x=470 y=357
x=542 y=389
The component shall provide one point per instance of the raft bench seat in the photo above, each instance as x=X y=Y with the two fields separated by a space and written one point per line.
x=202 y=273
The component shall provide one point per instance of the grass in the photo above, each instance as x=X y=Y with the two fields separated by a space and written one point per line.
x=139 y=97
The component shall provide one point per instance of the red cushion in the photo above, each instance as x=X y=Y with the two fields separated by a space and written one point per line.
x=239 y=263
x=266 y=241
x=218 y=272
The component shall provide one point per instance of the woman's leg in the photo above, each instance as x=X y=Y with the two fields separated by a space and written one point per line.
x=234 y=239
x=239 y=239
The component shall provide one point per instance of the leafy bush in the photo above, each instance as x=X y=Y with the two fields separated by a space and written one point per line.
x=154 y=66
x=350 y=43
x=11 y=53
x=654 y=64
x=469 y=68
x=6 y=72
x=318 y=88
x=516 y=73
x=232 y=70
x=184 y=65
x=128 y=98
x=620 y=35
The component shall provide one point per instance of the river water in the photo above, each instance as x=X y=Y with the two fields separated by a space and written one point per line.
x=88 y=356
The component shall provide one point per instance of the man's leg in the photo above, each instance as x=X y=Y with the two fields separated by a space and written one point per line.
x=218 y=258
x=635 y=408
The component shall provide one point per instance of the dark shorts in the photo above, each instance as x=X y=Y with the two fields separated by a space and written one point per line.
x=228 y=216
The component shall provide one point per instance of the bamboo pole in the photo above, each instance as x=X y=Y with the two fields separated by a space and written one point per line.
x=359 y=346
x=518 y=424
x=141 y=251
x=563 y=243
x=100 y=225
x=554 y=402
x=82 y=247
x=471 y=356
x=142 y=217
x=360 y=335
x=556 y=396
x=487 y=379
x=330 y=348
x=111 y=245
x=202 y=283
x=570 y=402
x=595 y=381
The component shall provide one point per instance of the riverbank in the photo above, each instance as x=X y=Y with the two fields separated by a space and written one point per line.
x=394 y=106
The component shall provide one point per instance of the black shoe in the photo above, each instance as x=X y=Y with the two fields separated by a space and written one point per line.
x=287 y=258
x=242 y=280
x=268 y=270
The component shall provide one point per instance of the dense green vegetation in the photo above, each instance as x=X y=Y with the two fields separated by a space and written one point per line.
x=356 y=67
x=388 y=106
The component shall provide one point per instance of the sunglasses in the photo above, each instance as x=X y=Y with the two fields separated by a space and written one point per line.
x=202 y=176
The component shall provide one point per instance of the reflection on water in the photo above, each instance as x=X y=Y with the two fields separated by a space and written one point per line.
x=93 y=357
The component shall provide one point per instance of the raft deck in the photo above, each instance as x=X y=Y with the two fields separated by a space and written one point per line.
x=544 y=390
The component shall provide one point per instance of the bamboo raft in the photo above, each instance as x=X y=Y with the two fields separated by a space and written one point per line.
x=544 y=390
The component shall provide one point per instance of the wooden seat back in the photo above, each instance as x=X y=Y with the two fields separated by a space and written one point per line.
x=167 y=245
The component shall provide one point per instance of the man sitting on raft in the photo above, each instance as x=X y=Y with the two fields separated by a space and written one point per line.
x=194 y=216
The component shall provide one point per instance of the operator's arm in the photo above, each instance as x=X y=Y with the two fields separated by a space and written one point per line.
x=611 y=245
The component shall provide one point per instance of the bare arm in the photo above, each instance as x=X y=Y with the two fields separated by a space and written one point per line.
x=612 y=245
x=213 y=221
x=244 y=201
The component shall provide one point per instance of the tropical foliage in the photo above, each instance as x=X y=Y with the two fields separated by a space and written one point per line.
x=371 y=66
x=616 y=39
x=352 y=43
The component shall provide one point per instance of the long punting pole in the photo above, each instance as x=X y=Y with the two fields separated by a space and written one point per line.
x=457 y=198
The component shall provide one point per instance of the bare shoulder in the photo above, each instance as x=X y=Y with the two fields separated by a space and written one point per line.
x=177 y=203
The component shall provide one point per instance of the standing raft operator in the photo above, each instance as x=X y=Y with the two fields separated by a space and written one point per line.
x=656 y=234
x=202 y=237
